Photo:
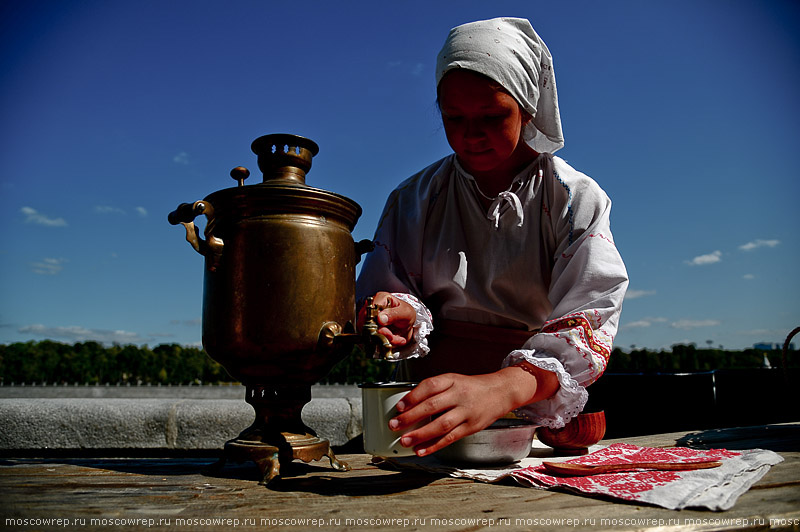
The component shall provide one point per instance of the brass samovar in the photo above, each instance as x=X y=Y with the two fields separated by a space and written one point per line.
x=279 y=295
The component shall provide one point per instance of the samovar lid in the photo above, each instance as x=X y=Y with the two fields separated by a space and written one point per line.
x=284 y=157
x=284 y=160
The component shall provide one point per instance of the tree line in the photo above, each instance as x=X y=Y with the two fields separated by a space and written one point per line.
x=688 y=358
x=94 y=363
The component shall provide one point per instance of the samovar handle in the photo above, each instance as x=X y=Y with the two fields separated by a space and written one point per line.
x=211 y=248
x=362 y=247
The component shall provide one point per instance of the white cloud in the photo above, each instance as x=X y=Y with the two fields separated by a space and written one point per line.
x=190 y=323
x=181 y=158
x=48 y=266
x=107 y=209
x=694 y=324
x=755 y=244
x=32 y=216
x=418 y=69
x=748 y=276
x=644 y=322
x=81 y=334
x=636 y=294
x=710 y=258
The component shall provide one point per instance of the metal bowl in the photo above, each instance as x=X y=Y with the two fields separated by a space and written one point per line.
x=503 y=442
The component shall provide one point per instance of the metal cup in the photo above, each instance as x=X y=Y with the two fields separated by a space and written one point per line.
x=379 y=405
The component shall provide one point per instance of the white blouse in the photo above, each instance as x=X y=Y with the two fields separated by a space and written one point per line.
x=543 y=258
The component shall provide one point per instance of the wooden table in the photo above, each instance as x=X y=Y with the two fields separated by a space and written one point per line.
x=176 y=494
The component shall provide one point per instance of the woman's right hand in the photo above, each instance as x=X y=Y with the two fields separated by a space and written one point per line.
x=395 y=321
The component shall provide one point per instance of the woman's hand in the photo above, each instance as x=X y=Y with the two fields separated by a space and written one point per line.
x=466 y=404
x=396 y=320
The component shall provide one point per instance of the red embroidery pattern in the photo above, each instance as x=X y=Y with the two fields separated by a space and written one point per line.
x=578 y=321
x=380 y=244
x=628 y=485
x=386 y=247
x=604 y=237
x=591 y=235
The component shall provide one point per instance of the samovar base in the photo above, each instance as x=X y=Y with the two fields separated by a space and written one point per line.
x=268 y=457
x=278 y=435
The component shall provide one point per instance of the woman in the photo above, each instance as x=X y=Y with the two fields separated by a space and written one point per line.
x=496 y=268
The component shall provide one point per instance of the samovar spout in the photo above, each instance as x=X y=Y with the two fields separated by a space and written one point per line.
x=375 y=342
x=376 y=345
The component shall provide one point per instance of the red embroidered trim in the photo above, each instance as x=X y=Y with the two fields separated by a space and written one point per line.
x=591 y=235
x=578 y=321
x=379 y=244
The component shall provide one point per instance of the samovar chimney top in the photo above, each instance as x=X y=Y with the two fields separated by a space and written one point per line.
x=284 y=157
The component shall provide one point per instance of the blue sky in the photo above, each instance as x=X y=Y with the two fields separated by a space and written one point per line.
x=112 y=113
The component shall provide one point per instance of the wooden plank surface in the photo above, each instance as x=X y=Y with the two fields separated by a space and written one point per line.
x=181 y=493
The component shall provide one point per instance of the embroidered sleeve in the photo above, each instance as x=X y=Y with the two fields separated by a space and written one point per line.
x=588 y=284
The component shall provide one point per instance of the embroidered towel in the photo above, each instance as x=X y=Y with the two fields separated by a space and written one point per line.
x=713 y=489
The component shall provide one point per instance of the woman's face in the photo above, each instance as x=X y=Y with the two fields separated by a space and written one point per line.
x=483 y=123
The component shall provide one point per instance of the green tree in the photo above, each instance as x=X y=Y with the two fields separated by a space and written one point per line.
x=172 y=363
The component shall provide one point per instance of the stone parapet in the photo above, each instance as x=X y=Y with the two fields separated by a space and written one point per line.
x=80 y=424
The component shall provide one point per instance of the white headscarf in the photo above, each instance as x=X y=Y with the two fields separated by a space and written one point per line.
x=510 y=52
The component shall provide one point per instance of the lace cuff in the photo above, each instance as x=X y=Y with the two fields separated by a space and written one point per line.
x=567 y=402
x=418 y=348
